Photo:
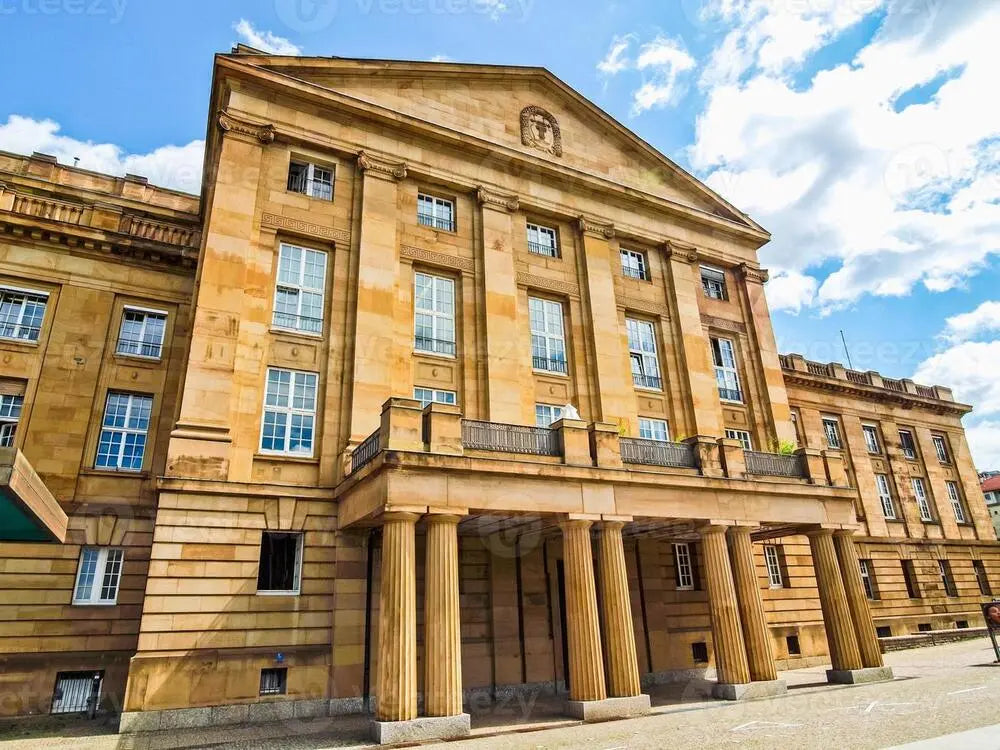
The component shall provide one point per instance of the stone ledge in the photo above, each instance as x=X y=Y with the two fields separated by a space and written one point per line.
x=749 y=691
x=930 y=638
x=133 y=722
x=609 y=708
x=858 y=676
x=421 y=729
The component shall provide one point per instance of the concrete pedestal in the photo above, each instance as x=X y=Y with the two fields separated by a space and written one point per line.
x=420 y=729
x=750 y=690
x=609 y=708
x=858 y=676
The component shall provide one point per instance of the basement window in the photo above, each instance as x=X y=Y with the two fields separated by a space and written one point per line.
x=274 y=681
x=924 y=627
x=699 y=652
x=792 y=641
x=962 y=624
x=883 y=631
x=280 y=570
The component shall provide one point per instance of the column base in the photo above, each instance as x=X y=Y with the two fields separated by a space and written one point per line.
x=609 y=708
x=749 y=691
x=420 y=729
x=858 y=676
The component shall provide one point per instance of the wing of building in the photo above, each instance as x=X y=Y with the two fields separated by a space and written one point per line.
x=446 y=384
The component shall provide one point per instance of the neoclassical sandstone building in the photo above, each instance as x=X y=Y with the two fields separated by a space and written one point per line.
x=446 y=383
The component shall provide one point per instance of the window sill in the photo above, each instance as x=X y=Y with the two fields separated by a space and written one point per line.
x=435 y=355
x=297 y=333
x=18 y=343
x=893 y=520
x=95 y=604
x=279 y=593
x=551 y=373
x=647 y=389
x=930 y=522
x=291 y=457
x=311 y=197
x=137 y=360
x=123 y=473
x=735 y=403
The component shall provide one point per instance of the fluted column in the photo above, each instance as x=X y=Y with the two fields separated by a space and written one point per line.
x=759 y=650
x=844 y=654
x=623 y=665
x=857 y=601
x=586 y=664
x=397 y=628
x=442 y=627
x=727 y=635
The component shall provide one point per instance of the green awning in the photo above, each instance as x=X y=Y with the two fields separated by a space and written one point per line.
x=28 y=512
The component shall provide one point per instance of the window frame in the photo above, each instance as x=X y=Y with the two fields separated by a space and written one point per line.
x=720 y=283
x=982 y=578
x=100 y=573
x=440 y=287
x=432 y=220
x=921 y=495
x=281 y=675
x=291 y=411
x=434 y=393
x=727 y=377
x=940 y=443
x=296 y=573
x=867 y=570
x=739 y=435
x=125 y=430
x=909 y=453
x=910 y=579
x=947 y=578
x=540 y=248
x=544 y=364
x=645 y=360
x=640 y=271
x=40 y=299
x=772 y=562
x=885 y=499
x=872 y=431
x=647 y=425
x=11 y=407
x=833 y=439
x=301 y=291
x=146 y=312
x=310 y=179
x=553 y=408
x=955 y=498
x=684 y=568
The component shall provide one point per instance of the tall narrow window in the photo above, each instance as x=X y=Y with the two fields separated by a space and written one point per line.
x=772 y=556
x=21 y=314
x=546 y=414
x=956 y=501
x=298 y=294
x=885 y=496
x=726 y=376
x=907 y=444
x=310 y=179
x=947 y=580
x=941 y=448
x=982 y=579
x=122 y=444
x=910 y=579
x=654 y=429
x=548 y=343
x=920 y=493
x=713 y=283
x=831 y=428
x=871 y=439
x=434 y=314
x=98 y=575
x=10 y=414
x=542 y=240
x=868 y=579
x=743 y=436
x=634 y=264
x=141 y=333
x=642 y=352
x=289 y=412
x=280 y=569
x=684 y=566
x=438 y=213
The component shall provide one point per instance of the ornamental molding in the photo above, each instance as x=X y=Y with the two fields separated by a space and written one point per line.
x=596 y=227
x=228 y=123
x=437 y=259
x=650 y=308
x=755 y=275
x=297 y=226
x=684 y=253
x=846 y=388
x=379 y=166
x=549 y=285
x=494 y=199
x=540 y=130
x=723 y=324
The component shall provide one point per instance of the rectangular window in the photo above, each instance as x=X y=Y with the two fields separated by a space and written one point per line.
x=743 y=436
x=831 y=428
x=438 y=213
x=77 y=692
x=868 y=579
x=546 y=414
x=947 y=580
x=98 y=575
x=289 y=412
x=907 y=444
x=981 y=578
x=684 y=566
x=298 y=293
x=724 y=359
x=871 y=439
x=542 y=241
x=310 y=179
x=941 y=448
x=634 y=264
x=122 y=444
x=654 y=429
x=10 y=414
x=434 y=396
x=434 y=314
x=713 y=283
x=956 y=502
x=141 y=333
x=642 y=352
x=885 y=496
x=274 y=681
x=920 y=493
x=21 y=314
x=280 y=569
x=548 y=344
x=772 y=556
x=910 y=579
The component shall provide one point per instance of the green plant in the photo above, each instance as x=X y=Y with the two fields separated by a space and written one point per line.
x=783 y=447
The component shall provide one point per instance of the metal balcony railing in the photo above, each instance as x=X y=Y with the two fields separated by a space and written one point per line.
x=774 y=465
x=539 y=249
x=647 y=381
x=297 y=322
x=438 y=346
x=657 y=453
x=139 y=348
x=549 y=365
x=509 y=438
x=730 y=394
x=366 y=451
x=437 y=222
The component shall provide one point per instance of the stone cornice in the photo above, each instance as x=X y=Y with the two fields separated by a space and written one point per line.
x=493 y=199
x=595 y=227
x=871 y=393
x=228 y=123
x=754 y=275
x=379 y=166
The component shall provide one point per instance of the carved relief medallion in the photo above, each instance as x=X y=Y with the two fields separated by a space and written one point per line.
x=540 y=130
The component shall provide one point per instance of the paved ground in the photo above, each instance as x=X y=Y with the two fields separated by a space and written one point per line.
x=939 y=691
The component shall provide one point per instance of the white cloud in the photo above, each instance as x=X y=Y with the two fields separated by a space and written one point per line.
x=441 y=58
x=983 y=320
x=616 y=61
x=177 y=167
x=265 y=41
x=790 y=291
x=984 y=442
x=663 y=61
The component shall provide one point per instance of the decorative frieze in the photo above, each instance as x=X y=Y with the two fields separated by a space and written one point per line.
x=233 y=125
x=297 y=226
x=493 y=199
x=551 y=285
x=650 y=308
x=596 y=227
x=379 y=166
x=437 y=259
x=710 y=321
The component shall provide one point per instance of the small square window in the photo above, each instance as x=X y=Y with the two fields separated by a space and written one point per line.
x=883 y=631
x=961 y=624
x=713 y=283
x=21 y=314
x=792 y=642
x=546 y=414
x=924 y=627
x=634 y=264
x=434 y=396
x=141 y=333
x=437 y=213
x=654 y=429
x=542 y=240
x=280 y=569
x=98 y=575
x=699 y=652
x=310 y=179
x=274 y=681
x=743 y=436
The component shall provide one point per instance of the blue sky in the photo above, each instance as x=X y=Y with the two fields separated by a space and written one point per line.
x=878 y=179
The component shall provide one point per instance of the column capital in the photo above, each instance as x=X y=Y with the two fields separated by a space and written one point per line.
x=595 y=227
x=489 y=198
x=611 y=525
x=400 y=515
x=245 y=129
x=752 y=274
x=381 y=167
x=680 y=252
x=714 y=527
x=576 y=523
x=819 y=531
x=444 y=518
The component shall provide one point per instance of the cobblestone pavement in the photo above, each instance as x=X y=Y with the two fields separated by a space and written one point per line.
x=937 y=691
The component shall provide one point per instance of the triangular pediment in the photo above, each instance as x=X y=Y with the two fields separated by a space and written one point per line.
x=524 y=109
